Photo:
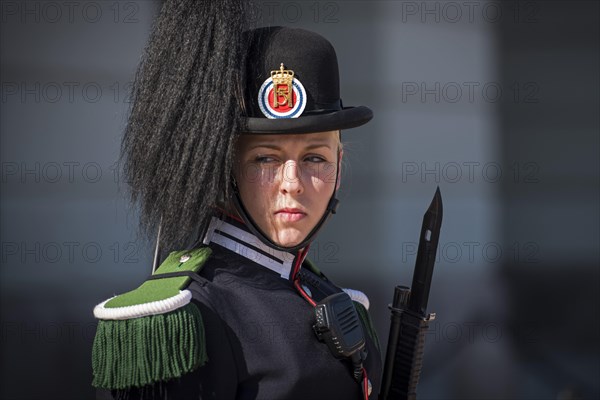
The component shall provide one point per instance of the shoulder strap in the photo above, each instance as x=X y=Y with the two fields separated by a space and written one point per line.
x=363 y=313
x=159 y=289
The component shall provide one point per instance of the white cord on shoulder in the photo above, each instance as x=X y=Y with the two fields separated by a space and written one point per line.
x=143 y=310
x=358 y=296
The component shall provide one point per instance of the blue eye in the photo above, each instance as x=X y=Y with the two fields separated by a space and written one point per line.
x=264 y=159
x=315 y=159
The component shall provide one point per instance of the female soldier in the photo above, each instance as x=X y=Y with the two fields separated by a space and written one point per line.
x=238 y=133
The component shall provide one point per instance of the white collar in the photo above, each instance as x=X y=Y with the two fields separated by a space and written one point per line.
x=244 y=243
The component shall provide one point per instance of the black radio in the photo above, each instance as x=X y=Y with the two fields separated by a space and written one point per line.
x=338 y=325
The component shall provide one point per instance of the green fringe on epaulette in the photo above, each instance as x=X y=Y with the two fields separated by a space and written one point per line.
x=366 y=319
x=141 y=351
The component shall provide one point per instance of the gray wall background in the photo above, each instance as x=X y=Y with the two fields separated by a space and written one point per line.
x=495 y=102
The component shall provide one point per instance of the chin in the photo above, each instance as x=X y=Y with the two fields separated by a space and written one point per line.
x=289 y=238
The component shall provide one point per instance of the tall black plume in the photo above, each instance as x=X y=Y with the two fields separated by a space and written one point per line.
x=177 y=150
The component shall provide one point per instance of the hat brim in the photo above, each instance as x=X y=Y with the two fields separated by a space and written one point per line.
x=346 y=118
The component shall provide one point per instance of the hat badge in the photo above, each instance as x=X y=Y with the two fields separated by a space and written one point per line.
x=282 y=95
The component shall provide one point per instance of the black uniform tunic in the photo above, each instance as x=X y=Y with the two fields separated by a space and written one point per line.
x=259 y=337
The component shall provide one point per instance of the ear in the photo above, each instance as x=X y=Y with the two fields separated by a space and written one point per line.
x=339 y=169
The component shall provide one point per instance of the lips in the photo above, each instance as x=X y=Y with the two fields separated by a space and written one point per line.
x=290 y=214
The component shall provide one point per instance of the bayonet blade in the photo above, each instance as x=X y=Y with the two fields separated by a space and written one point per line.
x=428 y=243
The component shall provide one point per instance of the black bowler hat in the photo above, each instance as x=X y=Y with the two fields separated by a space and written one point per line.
x=292 y=84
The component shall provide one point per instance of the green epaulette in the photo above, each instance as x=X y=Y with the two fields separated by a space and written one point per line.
x=153 y=333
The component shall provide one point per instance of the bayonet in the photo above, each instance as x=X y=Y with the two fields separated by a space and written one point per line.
x=404 y=356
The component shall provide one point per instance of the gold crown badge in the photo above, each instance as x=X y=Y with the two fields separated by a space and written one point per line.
x=282 y=82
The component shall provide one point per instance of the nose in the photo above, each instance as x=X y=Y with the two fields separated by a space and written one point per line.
x=291 y=179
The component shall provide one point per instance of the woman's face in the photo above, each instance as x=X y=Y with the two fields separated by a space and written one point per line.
x=286 y=181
